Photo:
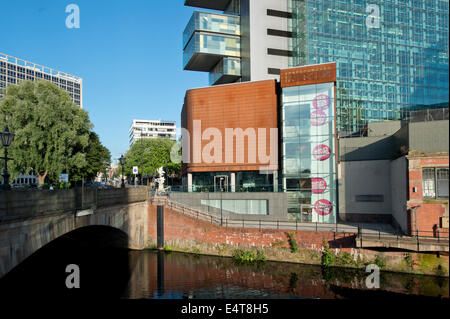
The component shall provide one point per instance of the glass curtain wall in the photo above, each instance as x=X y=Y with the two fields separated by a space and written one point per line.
x=308 y=150
x=392 y=56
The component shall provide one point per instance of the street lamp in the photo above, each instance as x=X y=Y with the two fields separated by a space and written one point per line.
x=122 y=163
x=221 y=197
x=7 y=138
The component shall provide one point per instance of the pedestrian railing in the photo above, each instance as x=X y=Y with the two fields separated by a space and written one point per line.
x=358 y=230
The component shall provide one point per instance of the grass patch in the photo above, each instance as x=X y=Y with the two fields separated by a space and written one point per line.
x=248 y=256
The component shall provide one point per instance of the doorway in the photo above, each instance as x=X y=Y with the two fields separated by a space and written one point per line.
x=221 y=183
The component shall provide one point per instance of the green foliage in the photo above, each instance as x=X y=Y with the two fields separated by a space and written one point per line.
x=98 y=159
x=344 y=259
x=151 y=154
x=63 y=185
x=52 y=133
x=278 y=243
x=168 y=249
x=379 y=262
x=328 y=258
x=248 y=257
x=196 y=251
x=293 y=243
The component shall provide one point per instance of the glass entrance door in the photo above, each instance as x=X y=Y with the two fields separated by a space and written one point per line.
x=306 y=212
x=221 y=183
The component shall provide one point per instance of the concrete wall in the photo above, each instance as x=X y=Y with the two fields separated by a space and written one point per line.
x=32 y=227
x=366 y=148
x=388 y=128
x=399 y=188
x=23 y=204
x=365 y=178
x=277 y=204
x=429 y=137
x=255 y=41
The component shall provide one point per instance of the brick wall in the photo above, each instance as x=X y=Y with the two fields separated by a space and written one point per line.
x=178 y=226
x=430 y=212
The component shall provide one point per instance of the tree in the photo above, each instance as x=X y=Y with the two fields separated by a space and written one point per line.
x=149 y=155
x=52 y=133
x=98 y=159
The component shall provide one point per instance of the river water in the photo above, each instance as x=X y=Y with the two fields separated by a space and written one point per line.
x=113 y=273
x=177 y=275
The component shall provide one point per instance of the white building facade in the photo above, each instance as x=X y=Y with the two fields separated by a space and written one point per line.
x=147 y=129
x=14 y=70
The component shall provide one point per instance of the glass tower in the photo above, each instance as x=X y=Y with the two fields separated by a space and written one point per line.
x=391 y=56
x=309 y=158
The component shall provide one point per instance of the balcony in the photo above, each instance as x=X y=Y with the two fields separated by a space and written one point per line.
x=213 y=23
x=208 y=38
x=226 y=71
x=219 y=5
x=205 y=50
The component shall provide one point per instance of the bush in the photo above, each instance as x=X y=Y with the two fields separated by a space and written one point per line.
x=248 y=257
x=379 y=262
x=328 y=258
x=293 y=242
x=345 y=259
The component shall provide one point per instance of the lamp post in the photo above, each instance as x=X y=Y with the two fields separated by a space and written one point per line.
x=7 y=138
x=221 y=197
x=122 y=163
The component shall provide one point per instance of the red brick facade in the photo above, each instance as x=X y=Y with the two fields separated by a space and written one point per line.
x=178 y=226
x=428 y=216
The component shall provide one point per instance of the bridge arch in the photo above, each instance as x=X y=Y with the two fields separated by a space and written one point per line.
x=100 y=254
x=22 y=237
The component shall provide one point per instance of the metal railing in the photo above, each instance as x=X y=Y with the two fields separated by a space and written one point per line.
x=439 y=236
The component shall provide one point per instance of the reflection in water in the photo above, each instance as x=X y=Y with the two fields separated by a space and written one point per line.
x=110 y=272
x=176 y=275
x=99 y=253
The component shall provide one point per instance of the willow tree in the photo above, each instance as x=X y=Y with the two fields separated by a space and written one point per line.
x=52 y=133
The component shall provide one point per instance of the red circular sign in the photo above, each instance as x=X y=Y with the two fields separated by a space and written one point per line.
x=318 y=118
x=321 y=152
x=321 y=102
x=323 y=207
x=319 y=185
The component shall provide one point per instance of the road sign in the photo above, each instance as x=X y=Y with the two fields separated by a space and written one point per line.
x=63 y=178
x=135 y=170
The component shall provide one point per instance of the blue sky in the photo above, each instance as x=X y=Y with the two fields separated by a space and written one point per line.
x=129 y=54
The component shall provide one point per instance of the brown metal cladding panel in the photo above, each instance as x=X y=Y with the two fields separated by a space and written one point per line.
x=305 y=75
x=244 y=105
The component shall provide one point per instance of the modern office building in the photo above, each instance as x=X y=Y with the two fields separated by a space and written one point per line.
x=144 y=129
x=397 y=173
x=221 y=154
x=247 y=41
x=349 y=85
x=266 y=137
x=391 y=56
x=14 y=70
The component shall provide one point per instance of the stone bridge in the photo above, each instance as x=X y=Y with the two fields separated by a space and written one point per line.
x=29 y=220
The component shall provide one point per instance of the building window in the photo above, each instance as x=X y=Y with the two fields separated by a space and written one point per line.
x=435 y=182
